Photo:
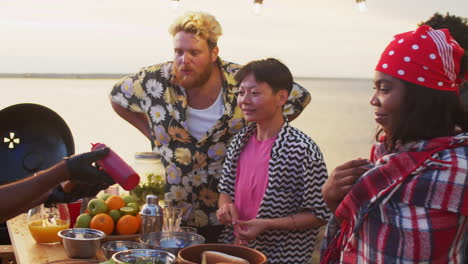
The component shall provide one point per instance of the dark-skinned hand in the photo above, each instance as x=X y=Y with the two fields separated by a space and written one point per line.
x=78 y=191
x=83 y=168
x=341 y=180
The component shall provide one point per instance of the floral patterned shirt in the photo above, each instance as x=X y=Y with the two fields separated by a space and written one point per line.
x=193 y=167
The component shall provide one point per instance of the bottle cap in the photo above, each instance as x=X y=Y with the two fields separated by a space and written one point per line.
x=147 y=155
x=152 y=199
x=151 y=207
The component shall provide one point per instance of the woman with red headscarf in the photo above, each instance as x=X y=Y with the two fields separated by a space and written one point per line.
x=409 y=202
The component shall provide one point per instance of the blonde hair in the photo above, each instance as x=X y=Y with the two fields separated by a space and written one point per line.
x=201 y=24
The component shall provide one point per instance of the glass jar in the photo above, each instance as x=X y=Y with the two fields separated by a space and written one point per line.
x=149 y=166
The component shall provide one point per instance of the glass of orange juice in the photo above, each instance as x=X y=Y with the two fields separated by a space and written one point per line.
x=45 y=222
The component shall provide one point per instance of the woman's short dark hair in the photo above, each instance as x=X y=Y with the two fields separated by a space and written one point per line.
x=271 y=71
x=427 y=113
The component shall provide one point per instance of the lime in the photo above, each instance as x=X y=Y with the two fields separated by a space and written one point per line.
x=83 y=220
x=130 y=199
x=134 y=205
x=128 y=210
x=115 y=214
x=104 y=196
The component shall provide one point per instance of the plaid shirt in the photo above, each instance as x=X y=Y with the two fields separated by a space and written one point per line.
x=411 y=207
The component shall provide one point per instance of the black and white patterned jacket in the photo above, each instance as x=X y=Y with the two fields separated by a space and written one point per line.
x=296 y=175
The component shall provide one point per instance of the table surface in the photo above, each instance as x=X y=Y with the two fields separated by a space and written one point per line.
x=26 y=249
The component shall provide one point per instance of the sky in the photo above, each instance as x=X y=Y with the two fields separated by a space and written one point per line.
x=327 y=38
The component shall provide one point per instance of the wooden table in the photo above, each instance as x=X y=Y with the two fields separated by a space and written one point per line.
x=26 y=249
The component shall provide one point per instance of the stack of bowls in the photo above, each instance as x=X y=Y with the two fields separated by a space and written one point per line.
x=170 y=241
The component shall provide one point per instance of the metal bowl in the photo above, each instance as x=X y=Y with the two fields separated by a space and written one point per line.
x=170 y=241
x=146 y=256
x=111 y=247
x=81 y=242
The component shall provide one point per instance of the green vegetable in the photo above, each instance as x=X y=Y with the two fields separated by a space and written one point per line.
x=154 y=185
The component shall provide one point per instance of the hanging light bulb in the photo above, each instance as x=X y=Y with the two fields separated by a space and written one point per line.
x=361 y=5
x=175 y=4
x=257 y=7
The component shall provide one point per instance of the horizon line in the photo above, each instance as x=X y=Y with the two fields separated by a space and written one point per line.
x=120 y=75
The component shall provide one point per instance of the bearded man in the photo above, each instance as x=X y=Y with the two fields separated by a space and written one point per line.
x=187 y=108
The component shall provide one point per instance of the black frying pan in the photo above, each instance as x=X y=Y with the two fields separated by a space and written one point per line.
x=32 y=138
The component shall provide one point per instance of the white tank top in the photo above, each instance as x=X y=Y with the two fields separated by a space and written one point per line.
x=199 y=121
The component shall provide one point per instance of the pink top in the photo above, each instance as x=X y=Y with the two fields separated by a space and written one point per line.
x=252 y=177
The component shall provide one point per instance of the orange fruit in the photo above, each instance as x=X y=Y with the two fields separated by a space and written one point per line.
x=138 y=216
x=115 y=202
x=127 y=225
x=103 y=222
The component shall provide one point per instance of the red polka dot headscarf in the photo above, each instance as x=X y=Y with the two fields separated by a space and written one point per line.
x=426 y=57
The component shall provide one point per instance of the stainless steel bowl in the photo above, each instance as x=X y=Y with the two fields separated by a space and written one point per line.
x=81 y=242
x=146 y=256
x=170 y=241
x=111 y=247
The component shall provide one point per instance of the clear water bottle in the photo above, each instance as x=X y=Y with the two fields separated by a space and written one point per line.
x=151 y=215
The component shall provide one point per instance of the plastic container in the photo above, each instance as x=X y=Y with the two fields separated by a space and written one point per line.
x=118 y=169
x=74 y=209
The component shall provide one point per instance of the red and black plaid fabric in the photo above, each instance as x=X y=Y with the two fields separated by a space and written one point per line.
x=412 y=207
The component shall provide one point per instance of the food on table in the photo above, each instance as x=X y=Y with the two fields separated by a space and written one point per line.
x=115 y=215
x=103 y=222
x=215 y=257
x=115 y=202
x=127 y=225
x=83 y=220
x=154 y=184
x=97 y=206
x=104 y=196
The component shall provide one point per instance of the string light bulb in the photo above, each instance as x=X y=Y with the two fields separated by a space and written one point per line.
x=175 y=4
x=257 y=7
x=361 y=5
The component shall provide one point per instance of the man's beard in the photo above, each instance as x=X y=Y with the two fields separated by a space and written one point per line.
x=192 y=81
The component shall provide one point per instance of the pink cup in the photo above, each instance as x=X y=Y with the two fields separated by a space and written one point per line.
x=74 y=209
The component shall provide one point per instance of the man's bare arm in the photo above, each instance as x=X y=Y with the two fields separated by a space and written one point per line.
x=138 y=120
